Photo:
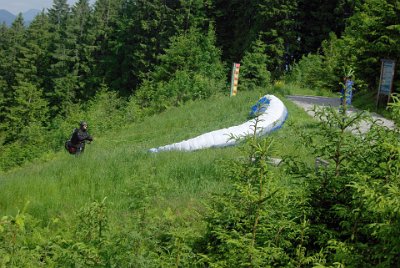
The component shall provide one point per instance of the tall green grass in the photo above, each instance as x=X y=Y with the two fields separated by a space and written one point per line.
x=118 y=166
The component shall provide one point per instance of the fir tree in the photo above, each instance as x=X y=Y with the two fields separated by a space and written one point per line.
x=80 y=27
x=26 y=106
x=254 y=73
x=14 y=39
x=372 y=35
x=64 y=82
x=140 y=34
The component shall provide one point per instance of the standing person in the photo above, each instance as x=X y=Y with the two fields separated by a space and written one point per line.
x=347 y=91
x=79 y=137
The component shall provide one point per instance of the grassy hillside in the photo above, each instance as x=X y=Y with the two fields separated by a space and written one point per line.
x=118 y=166
x=152 y=201
x=118 y=205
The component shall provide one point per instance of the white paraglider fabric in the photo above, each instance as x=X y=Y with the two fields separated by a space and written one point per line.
x=269 y=119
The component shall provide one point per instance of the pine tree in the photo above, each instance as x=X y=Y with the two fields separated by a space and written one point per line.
x=26 y=106
x=138 y=37
x=4 y=45
x=4 y=34
x=64 y=82
x=38 y=42
x=80 y=28
x=316 y=20
x=192 y=14
x=276 y=21
x=372 y=35
x=29 y=109
x=14 y=38
x=235 y=26
x=257 y=222
x=254 y=73
x=240 y=23
x=3 y=111
x=105 y=15
x=59 y=13
x=191 y=68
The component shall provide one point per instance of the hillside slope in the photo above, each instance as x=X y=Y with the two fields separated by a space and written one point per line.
x=6 y=17
x=118 y=205
x=117 y=165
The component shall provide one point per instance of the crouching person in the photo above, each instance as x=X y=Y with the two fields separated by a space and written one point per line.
x=79 y=138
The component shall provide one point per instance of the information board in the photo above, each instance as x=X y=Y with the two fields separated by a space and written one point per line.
x=387 y=74
x=385 y=82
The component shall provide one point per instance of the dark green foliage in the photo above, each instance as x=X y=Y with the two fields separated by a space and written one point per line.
x=61 y=90
x=70 y=66
x=80 y=26
x=190 y=69
x=14 y=39
x=28 y=108
x=87 y=243
x=19 y=237
x=235 y=27
x=326 y=70
x=317 y=20
x=394 y=107
x=254 y=73
x=141 y=33
x=307 y=72
x=371 y=35
x=193 y=51
x=240 y=23
x=373 y=32
x=132 y=46
x=105 y=14
x=58 y=14
x=25 y=109
x=351 y=197
x=277 y=24
x=376 y=187
x=26 y=105
x=260 y=221
x=104 y=104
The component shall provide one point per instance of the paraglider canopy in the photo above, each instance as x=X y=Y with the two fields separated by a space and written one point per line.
x=260 y=107
x=271 y=113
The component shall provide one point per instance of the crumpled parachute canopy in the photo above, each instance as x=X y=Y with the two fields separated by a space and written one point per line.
x=271 y=113
x=260 y=107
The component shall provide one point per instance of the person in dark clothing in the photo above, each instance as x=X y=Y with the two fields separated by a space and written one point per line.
x=79 y=137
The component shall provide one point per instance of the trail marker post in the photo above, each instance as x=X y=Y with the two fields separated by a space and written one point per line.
x=235 y=78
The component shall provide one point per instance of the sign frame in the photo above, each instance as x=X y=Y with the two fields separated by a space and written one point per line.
x=386 y=80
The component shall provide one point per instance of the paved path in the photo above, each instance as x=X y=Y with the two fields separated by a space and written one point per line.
x=308 y=102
